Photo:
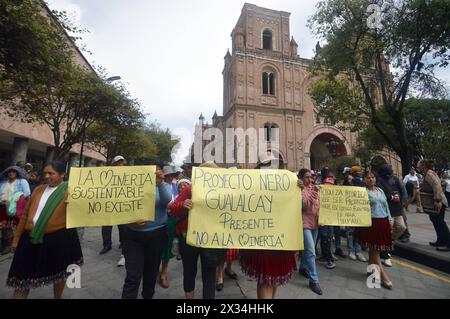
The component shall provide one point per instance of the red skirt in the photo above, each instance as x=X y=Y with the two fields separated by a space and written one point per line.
x=377 y=237
x=269 y=267
x=232 y=255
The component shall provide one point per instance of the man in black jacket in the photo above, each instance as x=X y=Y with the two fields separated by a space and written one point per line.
x=397 y=199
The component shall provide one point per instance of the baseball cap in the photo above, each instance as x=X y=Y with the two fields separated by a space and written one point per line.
x=118 y=158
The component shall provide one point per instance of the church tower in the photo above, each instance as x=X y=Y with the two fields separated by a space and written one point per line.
x=265 y=87
x=262 y=78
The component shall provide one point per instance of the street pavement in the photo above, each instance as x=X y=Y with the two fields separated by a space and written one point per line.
x=418 y=248
x=102 y=279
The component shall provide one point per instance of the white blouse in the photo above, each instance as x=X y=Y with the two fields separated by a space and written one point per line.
x=45 y=195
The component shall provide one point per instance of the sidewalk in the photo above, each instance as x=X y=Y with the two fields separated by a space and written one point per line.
x=418 y=249
x=102 y=279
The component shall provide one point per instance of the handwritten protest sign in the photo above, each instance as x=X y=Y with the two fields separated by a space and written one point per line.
x=251 y=209
x=101 y=196
x=344 y=206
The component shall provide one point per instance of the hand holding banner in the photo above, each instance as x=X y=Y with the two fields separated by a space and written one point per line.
x=105 y=196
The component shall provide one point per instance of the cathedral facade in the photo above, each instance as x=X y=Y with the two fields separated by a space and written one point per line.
x=265 y=87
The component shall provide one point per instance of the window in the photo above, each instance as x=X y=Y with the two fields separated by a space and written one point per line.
x=265 y=83
x=268 y=83
x=270 y=132
x=317 y=119
x=267 y=130
x=271 y=84
x=267 y=40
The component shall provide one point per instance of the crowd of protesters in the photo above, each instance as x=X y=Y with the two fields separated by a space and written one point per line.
x=33 y=225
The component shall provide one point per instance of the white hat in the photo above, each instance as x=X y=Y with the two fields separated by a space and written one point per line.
x=118 y=158
x=184 y=180
x=346 y=170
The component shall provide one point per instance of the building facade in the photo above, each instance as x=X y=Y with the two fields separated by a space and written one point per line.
x=265 y=86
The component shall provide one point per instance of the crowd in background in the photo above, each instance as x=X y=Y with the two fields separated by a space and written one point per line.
x=33 y=210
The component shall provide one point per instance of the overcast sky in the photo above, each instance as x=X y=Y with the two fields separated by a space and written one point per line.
x=170 y=53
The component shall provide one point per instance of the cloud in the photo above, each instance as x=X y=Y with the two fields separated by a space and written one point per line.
x=73 y=10
x=171 y=52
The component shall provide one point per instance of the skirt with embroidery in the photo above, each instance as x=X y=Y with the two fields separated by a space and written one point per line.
x=269 y=267
x=377 y=237
x=43 y=264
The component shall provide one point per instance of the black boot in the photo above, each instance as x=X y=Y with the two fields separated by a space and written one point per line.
x=315 y=288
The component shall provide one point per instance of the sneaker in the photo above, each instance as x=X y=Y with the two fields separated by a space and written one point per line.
x=304 y=272
x=330 y=265
x=352 y=255
x=315 y=288
x=334 y=257
x=387 y=262
x=361 y=257
x=121 y=261
x=340 y=253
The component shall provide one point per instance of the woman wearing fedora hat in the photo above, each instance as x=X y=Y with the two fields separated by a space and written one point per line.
x=12 y=181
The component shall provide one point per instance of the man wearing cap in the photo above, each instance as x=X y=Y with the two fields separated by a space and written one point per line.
x=107 y=230
x=356 y=172
x=28 y=169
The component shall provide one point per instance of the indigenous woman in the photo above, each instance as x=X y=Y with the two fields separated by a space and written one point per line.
x=378 y=237
x=310 y=217
x=13 y=187
x=271 y=268
x=209 y=257
x=43 y=247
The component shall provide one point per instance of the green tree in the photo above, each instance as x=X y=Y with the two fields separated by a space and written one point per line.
x=427 y=125
x=32 y=41
x=362 y=69
x=163 y=140
x=41 y=82
x=122 y=134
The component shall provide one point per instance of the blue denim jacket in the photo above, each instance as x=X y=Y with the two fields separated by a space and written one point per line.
x=163 y=198
x=20 y=186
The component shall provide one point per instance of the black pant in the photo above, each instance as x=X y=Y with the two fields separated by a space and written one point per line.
x=442 y=232
x=107 y=233
x=143 y=251
x=189 y=257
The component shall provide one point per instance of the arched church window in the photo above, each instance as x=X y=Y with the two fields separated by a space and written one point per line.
x=265 y=83
x=270 y=132
x=268 y=83
x=267 y=39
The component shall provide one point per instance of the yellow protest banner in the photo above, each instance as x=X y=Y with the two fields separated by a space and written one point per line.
x=105 y=196
x=246 y=209
x=344 y=206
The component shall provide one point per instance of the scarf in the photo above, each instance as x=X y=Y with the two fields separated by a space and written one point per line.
x=37 y=234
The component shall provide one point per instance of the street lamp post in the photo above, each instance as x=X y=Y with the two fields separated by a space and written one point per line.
x=108 y=80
